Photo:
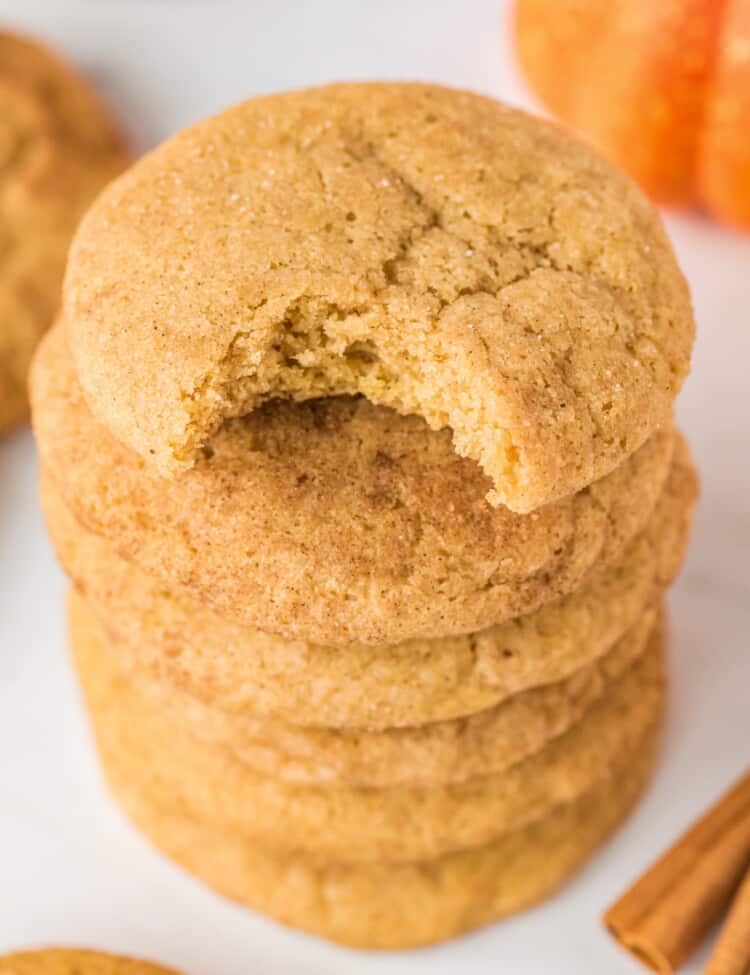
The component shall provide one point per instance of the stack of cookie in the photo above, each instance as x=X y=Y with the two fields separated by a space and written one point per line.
x=357 y=447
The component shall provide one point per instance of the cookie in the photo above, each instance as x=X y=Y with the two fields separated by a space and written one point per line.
x=250 y=673
x=334 y=521
x=431 y=249
x=442 y=753
x=382 y=906
x=58 y=148
x=401 y=824
x=74 y=961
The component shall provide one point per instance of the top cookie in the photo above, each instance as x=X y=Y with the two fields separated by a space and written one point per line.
x=75 y=961
x=58 y=148
x=431 y=249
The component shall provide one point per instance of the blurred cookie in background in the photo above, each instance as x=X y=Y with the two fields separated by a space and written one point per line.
x=75 y=961
x=58 y=147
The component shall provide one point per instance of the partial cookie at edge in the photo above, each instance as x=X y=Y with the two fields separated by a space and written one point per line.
x=59 y=148
x=75 y=961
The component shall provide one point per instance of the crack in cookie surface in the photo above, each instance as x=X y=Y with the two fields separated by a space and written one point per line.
x=428 y=249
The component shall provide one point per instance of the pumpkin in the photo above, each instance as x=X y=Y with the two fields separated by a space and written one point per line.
x=661 y=86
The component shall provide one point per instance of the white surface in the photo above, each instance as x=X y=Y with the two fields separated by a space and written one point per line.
x=71 y=871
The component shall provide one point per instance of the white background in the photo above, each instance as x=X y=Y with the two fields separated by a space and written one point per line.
x=71 y=870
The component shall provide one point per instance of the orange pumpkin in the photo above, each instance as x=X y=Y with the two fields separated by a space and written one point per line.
x=661 y=86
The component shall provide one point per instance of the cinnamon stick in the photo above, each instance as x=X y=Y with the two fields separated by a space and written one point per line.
x=666 y=914
x=731 y=954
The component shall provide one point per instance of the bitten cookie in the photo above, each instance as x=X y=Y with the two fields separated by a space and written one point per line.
x=255 y=675
x=58 y=147
x=75 y=961
x=429 y=248
x=334 y=520
x=402 y=824
x=390 y=907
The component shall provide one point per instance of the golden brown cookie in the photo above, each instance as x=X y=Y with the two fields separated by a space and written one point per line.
x=385 y=906
x=58 y=147
x=140 y=742
x=443 y=753
x=75 y=961
x=429 y=248
x=334 y=520
x=253 y=674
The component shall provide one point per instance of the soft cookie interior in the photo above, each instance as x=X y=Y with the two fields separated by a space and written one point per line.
x=428 y=249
